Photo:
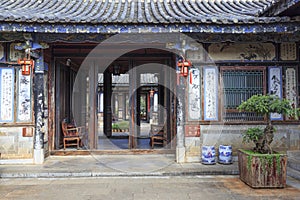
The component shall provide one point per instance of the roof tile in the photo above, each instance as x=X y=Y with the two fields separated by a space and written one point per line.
x=134 y=11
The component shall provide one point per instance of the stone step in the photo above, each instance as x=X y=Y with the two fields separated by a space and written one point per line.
x=294 y=154
x=294 y=163
x=294 y=160
x=293 y=173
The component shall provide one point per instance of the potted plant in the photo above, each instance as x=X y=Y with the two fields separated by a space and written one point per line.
x=115 y=127
x=262 y=167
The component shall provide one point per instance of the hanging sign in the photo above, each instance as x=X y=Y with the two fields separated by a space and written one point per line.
x=194 y=105
x=7 y=94
x=291 y=86
x=24 y=100
x=275 y=87
x=288 y=51
x=210 y=76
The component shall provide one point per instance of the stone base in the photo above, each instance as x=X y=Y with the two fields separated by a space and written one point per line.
x=180 y=154
x=38 y=156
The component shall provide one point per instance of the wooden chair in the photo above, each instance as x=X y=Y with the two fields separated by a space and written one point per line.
x=157 y=135
x=72 y=134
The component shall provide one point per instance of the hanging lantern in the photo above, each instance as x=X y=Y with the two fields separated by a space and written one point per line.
x=116 y=70
x=184 y=67
x=151 y=92
x=26 y=66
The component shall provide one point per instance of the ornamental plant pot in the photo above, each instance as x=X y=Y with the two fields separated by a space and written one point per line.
x=262 y=170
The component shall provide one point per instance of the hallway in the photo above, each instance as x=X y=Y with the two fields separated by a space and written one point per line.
x=119 y=140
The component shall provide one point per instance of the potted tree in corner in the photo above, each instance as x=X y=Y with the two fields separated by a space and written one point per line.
x=262 y=167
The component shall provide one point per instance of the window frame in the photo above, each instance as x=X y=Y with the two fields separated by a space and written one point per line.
x=222 y=91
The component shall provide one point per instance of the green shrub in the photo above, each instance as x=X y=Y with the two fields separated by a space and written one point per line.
x=123 y=125
x=115 y=126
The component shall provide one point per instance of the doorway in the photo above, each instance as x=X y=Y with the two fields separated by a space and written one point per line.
x=135 y=91
x=132 y=106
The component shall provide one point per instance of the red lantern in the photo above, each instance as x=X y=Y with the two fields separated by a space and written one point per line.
x=184 y=67
x=26 y=66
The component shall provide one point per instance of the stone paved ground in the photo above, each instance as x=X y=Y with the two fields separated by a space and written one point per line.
x=160 y=187
x=114 y=165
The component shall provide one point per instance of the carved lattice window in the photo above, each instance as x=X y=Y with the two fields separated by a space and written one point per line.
x=239 y=84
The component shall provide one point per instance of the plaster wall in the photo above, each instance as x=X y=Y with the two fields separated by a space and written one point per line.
x=13 y=145
x=286 y=138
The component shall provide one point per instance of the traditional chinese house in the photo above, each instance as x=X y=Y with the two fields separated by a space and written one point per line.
x=182 y=64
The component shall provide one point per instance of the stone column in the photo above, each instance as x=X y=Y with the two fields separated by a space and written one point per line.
x=180 y=148
x=38 y=90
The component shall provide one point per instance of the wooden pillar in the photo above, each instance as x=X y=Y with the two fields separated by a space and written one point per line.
x=52 y=127
x=133 y=105
x=152 y=92
x=138 y=105
x=148 y=106
x=107 y=112
x=124 y=106
x=93 y=132
x=112 y=104
x=167 y=101
x=57 y=137
x=161 y=96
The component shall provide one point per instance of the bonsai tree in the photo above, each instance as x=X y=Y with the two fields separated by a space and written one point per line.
x=265 y=105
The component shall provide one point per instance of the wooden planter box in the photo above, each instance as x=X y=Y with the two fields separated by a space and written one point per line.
x=262 y=170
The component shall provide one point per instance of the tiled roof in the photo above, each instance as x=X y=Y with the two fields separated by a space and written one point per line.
x=135 y=11
x=283 y=8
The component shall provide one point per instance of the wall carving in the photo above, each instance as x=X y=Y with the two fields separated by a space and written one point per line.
x=15 y=54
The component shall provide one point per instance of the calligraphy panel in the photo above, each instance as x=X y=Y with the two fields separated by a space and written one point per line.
x=7 y=94
x=210 y=77
x=24 y=98
x=288 y=51
x=291 y=86
x=194 y=97
x=275 y=87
